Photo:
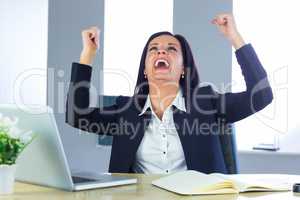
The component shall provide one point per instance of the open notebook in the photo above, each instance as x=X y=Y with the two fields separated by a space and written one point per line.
x=195 y=183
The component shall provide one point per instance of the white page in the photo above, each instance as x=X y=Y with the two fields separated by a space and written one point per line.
x=269 y=181
x=188 y=182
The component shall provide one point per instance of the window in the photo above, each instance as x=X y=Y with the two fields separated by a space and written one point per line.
x=23 y=52
x=126 y=33
x=271 y=28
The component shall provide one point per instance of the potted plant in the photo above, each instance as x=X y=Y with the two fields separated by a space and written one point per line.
x=12 y=142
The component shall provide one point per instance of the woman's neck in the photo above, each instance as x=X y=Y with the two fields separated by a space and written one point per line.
x=162 y=96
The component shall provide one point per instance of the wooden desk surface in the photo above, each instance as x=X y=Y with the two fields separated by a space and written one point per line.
x=142 y=190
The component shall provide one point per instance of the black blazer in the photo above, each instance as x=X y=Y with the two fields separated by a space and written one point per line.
x=198 y=130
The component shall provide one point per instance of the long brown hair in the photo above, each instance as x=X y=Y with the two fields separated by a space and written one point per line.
x=187 y=84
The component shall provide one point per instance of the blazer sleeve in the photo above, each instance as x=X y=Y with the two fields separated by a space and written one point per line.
x=258 y=94
x=78 y=112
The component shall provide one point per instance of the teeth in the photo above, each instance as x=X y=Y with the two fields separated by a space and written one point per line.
x=161 y=60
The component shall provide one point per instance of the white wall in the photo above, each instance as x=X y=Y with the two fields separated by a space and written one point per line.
x=23 y=50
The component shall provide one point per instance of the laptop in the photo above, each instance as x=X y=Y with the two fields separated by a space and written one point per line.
x=44 y=162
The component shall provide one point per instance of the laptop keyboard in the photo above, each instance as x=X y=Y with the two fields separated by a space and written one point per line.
x=77 y=179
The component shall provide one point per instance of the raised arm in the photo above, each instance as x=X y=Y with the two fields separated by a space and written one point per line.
x=236 y=106
x=78 y=112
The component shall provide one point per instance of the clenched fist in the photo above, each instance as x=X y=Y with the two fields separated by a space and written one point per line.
x=90 y=42
x=226 y=25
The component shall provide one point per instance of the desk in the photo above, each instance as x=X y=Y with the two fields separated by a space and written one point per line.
x=142 y=190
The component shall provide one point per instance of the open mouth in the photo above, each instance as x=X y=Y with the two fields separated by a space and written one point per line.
x=161 y=64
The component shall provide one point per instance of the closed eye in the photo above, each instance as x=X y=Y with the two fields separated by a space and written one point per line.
x=153 y=49
x=172 y=49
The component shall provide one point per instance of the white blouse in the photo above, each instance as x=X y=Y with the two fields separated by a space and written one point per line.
x=160 y=150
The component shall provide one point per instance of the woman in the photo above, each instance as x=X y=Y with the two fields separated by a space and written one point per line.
x=170 y=123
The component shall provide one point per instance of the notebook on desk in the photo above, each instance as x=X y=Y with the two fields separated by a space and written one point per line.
x=44 y=161
x=195 y=183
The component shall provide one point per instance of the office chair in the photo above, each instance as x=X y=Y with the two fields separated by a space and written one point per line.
x=228 y=145
x=105 y=140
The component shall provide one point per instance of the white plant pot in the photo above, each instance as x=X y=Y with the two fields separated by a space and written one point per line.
x=7 y=178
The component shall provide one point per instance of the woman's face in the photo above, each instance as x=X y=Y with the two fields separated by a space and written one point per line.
x=164 y=61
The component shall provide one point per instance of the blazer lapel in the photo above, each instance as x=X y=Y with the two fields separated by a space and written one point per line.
x=140 y=124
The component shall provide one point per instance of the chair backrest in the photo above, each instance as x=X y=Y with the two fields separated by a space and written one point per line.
x=105 y=140
x=228 y=145
x=226 y=135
